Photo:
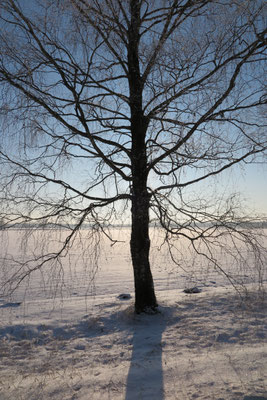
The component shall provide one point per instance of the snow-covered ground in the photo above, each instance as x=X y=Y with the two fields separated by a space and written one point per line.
x=86 y=343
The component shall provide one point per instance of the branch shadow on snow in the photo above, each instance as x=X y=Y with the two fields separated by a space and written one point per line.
x=141 y=342
x=142 y=333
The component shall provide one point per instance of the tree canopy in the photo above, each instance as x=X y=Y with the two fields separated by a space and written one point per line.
x=109 y=105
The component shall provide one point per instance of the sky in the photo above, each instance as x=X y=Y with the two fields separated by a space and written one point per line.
x=251 y=182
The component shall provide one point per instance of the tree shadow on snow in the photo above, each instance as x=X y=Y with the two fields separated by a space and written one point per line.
x=145 y=376
x=255 y=398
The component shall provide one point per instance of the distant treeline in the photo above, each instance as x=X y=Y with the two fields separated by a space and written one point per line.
x=51 y=226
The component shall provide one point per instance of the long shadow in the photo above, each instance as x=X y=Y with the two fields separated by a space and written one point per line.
x=255 y=398
x=145 y=376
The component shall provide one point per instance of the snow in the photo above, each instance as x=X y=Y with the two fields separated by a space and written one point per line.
x=206 y=345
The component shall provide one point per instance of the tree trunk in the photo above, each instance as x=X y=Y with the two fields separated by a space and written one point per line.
x=145 y=298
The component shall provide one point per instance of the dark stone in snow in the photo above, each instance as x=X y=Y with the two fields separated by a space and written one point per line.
x=6 y=305
x=124 y=296
x=192 y=290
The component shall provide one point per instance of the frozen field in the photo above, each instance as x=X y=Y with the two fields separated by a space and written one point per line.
x=67 y=336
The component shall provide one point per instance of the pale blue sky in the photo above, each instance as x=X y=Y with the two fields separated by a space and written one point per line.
x=251 y=182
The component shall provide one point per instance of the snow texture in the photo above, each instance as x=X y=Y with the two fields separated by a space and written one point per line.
x=206 y=345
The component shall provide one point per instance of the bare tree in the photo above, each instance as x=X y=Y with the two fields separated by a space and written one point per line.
x=147 y=98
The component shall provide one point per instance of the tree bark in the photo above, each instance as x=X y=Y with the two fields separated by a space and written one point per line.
x=145 y=298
